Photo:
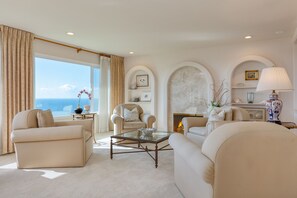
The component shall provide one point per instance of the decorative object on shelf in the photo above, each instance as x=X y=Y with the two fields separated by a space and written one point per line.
x=252 y=75
x=87 y=108
x=133 y=86
x=275 y=79
x=239 y=84
x=145 y=97
x=237 y=100
x=142 y=80
x=250 y=97
x=219 y=98
x=79 y=110
x=136 y=99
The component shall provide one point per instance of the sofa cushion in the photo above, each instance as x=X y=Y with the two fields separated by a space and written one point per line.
x=25 y=119
x=45 y=118
x=131 y=116
x=198 y=130
x=134 y=125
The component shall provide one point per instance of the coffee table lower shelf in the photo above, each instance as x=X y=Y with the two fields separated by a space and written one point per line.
x=140 y=147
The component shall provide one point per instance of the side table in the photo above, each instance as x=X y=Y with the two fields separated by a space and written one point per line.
x=84 y=116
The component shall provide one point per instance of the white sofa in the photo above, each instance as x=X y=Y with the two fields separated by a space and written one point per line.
x=238 y=160
x=198 y=128
x=67 y=144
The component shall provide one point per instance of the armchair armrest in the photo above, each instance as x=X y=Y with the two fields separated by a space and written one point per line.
x=189 y=122
x=148 y=119
x=47 y=134
x=116 y=119
x=192 y=155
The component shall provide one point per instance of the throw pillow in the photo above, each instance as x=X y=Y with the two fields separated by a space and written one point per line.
x=216 y=115
x=45 y=118
x=131 y=116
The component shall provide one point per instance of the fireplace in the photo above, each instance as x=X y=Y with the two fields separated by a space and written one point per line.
x=177 y=118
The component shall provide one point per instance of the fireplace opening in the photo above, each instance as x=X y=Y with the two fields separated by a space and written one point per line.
x=177 y=121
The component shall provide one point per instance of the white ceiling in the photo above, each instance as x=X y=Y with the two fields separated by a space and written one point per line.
x=151 y=26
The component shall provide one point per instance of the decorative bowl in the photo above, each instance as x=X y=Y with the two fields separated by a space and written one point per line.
x=147 y=131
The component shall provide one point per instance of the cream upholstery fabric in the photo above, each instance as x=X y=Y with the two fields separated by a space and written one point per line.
x=120 y=125
x=131 y=115
x=67 y=144
x=231 y=114
x=238 y=159
x=45 y=118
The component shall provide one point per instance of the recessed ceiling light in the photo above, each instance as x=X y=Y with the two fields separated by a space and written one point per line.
x=248 y=37
x=131 y=52
x=70 y=33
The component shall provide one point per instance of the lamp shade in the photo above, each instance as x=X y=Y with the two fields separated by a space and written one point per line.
x=274 y=78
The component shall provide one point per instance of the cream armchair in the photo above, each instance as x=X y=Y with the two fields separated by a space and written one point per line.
x=67 y=144
x=240 y=159
x=122 y=125
x=198 y=128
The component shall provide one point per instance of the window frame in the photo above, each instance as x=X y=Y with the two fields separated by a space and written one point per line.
x=67 y=60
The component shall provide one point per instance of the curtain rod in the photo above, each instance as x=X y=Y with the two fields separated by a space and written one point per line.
x=70 y=46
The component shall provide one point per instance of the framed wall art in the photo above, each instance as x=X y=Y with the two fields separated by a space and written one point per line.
x=252 y=75
x=142 y=80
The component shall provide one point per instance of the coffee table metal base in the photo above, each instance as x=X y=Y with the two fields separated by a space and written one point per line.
x=140 y=147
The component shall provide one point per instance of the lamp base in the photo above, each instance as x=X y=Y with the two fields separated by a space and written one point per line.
x=274 y=107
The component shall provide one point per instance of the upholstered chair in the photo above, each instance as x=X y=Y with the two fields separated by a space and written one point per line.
x=128 y=117
x=41 y=142
x=239 y=159
x=198 y=128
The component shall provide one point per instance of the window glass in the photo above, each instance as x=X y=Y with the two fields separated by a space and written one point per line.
x=58 y=83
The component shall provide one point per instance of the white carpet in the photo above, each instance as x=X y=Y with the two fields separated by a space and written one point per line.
x=127 y=175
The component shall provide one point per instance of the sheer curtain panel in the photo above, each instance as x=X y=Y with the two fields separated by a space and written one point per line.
x=104 y=113
x=16 y=78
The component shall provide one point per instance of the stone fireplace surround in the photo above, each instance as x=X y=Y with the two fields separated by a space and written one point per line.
x=188 y=91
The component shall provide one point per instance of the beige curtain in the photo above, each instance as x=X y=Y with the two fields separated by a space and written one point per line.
x=17 y=78
x=117 y=81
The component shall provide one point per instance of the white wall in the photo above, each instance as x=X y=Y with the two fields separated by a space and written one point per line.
x=49 y=50
x=218 y=60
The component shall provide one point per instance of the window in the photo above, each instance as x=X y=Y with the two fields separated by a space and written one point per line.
x=58 y=83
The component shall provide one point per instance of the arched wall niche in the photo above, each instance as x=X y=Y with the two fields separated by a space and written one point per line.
x=189 y=90
x=239 y=86
x=131 y=91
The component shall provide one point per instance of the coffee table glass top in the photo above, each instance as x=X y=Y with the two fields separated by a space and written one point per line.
x=156 y=136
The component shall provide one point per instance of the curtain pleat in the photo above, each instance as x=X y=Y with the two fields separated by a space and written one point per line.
x=17 y=78
x=117 y=81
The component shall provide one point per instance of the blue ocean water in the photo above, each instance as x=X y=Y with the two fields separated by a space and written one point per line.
x=63 y=106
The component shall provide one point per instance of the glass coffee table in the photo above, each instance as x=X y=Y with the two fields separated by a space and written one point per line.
x=137 y=139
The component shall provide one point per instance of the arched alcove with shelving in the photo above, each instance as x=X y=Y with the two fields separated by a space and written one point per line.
x=140 y=88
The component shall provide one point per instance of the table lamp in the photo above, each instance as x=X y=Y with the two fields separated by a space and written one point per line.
x=274 y=79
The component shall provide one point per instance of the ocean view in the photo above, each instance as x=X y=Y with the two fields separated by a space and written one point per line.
x=63 y=106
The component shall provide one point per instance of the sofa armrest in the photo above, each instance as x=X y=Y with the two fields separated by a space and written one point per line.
x=148 y=119
x=191 y=154
x=47 y=134
x=189 y=122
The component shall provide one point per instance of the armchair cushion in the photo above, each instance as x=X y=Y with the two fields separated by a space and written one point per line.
x=131 y=116
x=45 y=118
x=198 y=130
x=134 y=125
x=216 y=115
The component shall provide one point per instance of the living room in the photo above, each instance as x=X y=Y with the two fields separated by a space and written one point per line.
x=169 y=58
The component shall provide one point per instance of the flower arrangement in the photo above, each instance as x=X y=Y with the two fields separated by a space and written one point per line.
x=218 y=96
x=81 y=92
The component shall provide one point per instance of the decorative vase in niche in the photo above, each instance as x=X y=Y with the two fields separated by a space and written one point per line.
x=250 y=97
x=78 y=110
